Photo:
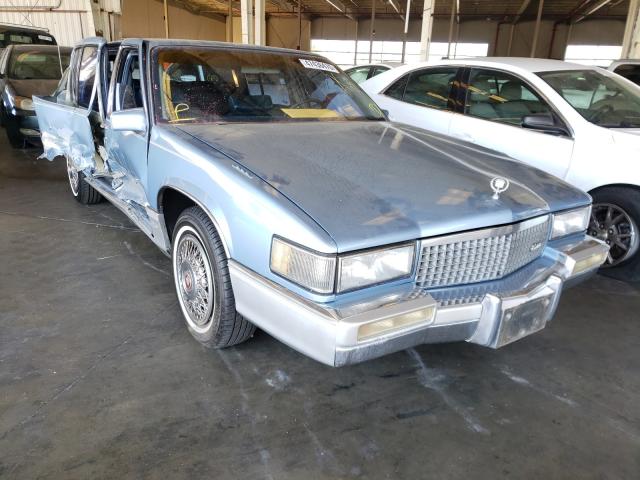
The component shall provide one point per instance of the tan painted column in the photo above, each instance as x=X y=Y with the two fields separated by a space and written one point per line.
x=246 y=20
x=230 y=21
x=261 y=29
x=631 y=38
x=427 y=28
x=95 y=25
x=536 y=31
x=166 y=19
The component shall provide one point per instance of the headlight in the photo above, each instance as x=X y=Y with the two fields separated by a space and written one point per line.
x=24 y=103
x=308 y=269
x=574 y=221
x=377 y=266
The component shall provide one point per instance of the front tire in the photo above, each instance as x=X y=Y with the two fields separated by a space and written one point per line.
x=80 y=189
x=203 y=284
x=615 y=219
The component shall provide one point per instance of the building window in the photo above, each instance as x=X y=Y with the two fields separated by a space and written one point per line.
x=343 y=52
x=600 y=55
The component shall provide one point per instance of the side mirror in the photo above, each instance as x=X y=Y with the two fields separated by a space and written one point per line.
x=544 y=122
x=133 y=120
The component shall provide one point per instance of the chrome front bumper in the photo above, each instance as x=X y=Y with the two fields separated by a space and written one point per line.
x=490 y=313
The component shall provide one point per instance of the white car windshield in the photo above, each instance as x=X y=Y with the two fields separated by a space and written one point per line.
x=601 y=99
x=201 y=84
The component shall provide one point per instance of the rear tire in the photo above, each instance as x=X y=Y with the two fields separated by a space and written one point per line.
x=80 y=189
x=616 y=220
x=203 y=284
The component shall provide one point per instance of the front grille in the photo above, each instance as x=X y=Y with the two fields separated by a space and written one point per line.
x=481 y=255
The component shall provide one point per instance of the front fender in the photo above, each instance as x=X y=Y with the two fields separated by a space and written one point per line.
x=246 y=211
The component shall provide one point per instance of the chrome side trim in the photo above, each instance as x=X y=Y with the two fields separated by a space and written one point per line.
x=154 y=227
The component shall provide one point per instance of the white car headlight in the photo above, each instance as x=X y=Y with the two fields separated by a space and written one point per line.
x=573 y=221
x=311 y=270
x=25 y=103
x=376 y=266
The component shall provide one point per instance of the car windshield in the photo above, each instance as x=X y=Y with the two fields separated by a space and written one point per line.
x=204 y=84
x=601 y=99
x=37 y=64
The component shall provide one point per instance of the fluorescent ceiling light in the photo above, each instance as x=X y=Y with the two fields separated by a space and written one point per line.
x=337 y=5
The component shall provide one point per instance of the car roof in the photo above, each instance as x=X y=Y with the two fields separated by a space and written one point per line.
x=523 y=63
x=369 y=65
x=12 y=27
x=164 y=42
x=625 y=61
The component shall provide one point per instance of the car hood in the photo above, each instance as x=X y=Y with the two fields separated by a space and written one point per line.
x=27 y=88
x=374 y=183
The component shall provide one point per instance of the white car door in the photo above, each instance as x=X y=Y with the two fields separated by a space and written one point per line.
x=421 y=98
x=495 y=105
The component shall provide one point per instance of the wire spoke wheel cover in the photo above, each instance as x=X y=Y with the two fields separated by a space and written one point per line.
x=193 y=279
x=74 y=177
x=616 y=227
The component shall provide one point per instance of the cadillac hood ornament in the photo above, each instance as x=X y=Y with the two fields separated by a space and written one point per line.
x=499 y=185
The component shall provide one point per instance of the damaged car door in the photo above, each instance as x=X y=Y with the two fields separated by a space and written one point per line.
x=126 y=131
x=66 y=119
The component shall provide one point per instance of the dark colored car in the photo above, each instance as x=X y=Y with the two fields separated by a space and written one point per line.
x=22 y=35
x=629 y=69
x=27 y=70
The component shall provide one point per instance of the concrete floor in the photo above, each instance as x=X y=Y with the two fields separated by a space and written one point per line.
x=100 y=379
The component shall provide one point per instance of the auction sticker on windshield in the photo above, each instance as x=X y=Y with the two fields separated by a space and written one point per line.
x=316 y=65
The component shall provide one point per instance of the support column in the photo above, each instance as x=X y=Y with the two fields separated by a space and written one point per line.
x=230 y=22
x=427 y=28
x=372 y=31
x=299 y=25
x=631 y=38
x=512 y=31
x=261 y=30
x=451 y=19
x=166 y=19
x=355 y=49
x=536 y=32
x=407 y=13
x=95 y=25
x=246 y=20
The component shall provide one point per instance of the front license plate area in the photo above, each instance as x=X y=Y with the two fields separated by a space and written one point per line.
x=523 y=320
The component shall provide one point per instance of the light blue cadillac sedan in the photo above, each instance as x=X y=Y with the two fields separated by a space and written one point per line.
x=287 y=201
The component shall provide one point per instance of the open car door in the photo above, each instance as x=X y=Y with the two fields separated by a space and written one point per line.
x=65 y=118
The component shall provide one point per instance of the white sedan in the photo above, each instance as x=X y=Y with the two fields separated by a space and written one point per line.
x=579 y=123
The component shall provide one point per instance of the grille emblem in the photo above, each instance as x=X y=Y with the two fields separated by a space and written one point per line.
x=535 y=246
x=499 y=185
